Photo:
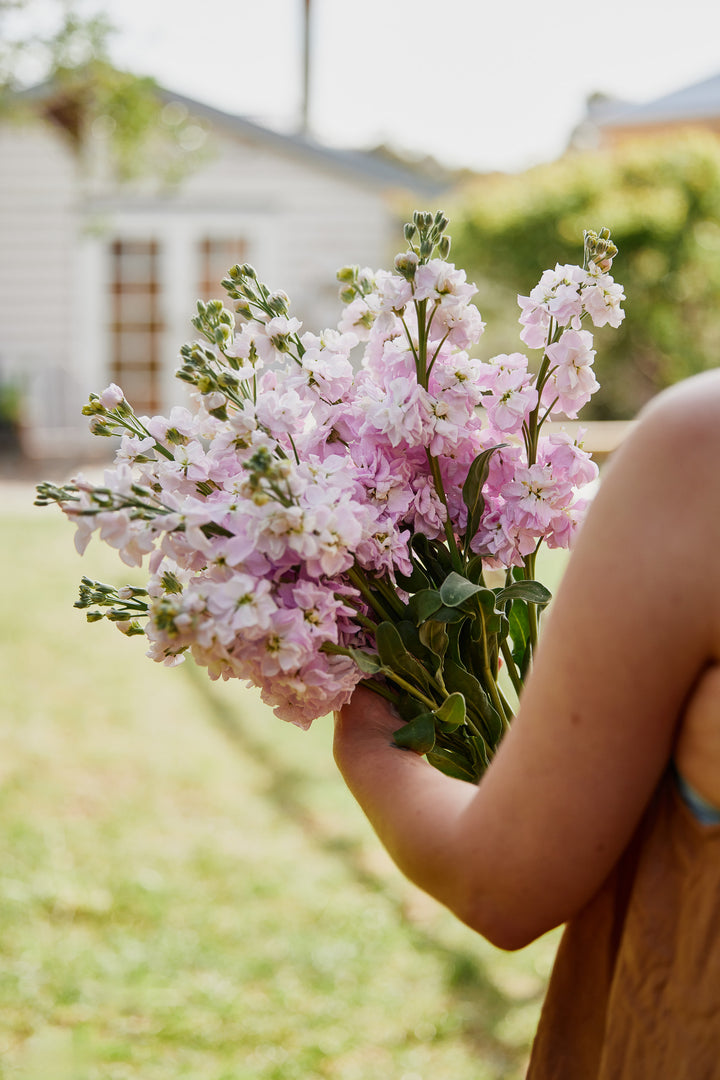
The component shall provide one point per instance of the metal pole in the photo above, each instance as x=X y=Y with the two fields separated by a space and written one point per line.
x=305 y=104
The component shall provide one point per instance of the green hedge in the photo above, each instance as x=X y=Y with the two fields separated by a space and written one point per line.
x=661 y=200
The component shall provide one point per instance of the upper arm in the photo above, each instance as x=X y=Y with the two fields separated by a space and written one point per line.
x=630 y=629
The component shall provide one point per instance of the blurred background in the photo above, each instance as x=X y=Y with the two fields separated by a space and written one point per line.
x=186 y=889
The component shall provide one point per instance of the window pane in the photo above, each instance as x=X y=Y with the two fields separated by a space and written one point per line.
x=135 y=323
x=215 y=257
x=135 y=307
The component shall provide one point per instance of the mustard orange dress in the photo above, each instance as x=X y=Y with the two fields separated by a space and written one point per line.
x=635 y=990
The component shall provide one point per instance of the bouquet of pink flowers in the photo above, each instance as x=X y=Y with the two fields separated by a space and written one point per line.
x=327 y=510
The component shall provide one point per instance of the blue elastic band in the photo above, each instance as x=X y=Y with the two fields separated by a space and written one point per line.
x=704 y=811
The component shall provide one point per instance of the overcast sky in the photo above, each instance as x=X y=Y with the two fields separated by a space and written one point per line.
x=491 y=85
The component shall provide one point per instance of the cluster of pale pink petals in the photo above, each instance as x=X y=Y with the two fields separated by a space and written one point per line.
x=260 y=527
x=561 y=298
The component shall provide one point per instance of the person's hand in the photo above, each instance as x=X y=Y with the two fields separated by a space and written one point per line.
x=368 y=720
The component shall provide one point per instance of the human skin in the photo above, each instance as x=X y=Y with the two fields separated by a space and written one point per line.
x=624 y=677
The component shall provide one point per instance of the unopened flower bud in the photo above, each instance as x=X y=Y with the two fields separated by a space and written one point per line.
x=406 y=264
x=223 y=335
x=97 y=427
x=599 y=248
x=186 y=374
x=347 y=273
x=228 y=381
x=279 y=303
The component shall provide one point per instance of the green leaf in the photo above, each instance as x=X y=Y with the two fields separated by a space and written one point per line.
x=452 y=764
x=434 y=555
x=474 y=568
x=531 y=591
x=415 y=582
x=486 y=620
x=409 y=707
x=369 y=663
x=451 y=713
x=480 y=747
x=434 y=637
x=472 y=492
x=476 y=699
x=450 y=615
x=395 y=656
x=456 y=589
x=389 y=644
x=418 y=735
x=411 y=640
x=520 y=635
x=423 y=604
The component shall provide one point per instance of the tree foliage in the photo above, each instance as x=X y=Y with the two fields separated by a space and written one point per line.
x=68 y=55
x=661 y=200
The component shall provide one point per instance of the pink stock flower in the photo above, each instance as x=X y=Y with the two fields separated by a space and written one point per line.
x=359 y=316
x=572 y=381
x=602 y=299
x=394 y=291
x=513 y=398
x=320 y=456
x=438 y=280
x=396 y=413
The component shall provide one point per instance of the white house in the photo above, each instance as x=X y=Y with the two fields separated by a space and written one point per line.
x=99 y=279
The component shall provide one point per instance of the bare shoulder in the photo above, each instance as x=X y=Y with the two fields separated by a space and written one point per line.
x=665 y=478
x=689 y=409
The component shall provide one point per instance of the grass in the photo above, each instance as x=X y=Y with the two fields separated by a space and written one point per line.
x=188 y=890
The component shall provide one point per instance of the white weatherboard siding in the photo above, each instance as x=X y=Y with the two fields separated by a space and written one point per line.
x=318 y=219
x=38 y=252
x=301 y=215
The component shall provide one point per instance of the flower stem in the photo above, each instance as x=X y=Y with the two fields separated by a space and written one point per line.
x=447 y=525
x=511 y=668
x=358 y=579
x=532 y=610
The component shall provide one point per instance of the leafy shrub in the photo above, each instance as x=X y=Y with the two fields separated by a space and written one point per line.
x=661 y=200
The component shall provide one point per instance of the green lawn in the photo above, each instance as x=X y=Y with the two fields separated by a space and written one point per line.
x=186 y=887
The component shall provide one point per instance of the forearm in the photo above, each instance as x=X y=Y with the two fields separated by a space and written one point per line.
x=416 y=811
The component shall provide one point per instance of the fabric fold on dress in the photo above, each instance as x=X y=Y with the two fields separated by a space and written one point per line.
x=635 y=990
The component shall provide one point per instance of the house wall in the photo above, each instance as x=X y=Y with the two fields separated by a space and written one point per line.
x=38 y=264
x=622 y=134
x=301 y=220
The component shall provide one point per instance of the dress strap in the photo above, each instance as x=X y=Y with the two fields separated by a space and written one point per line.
x=705 y=812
